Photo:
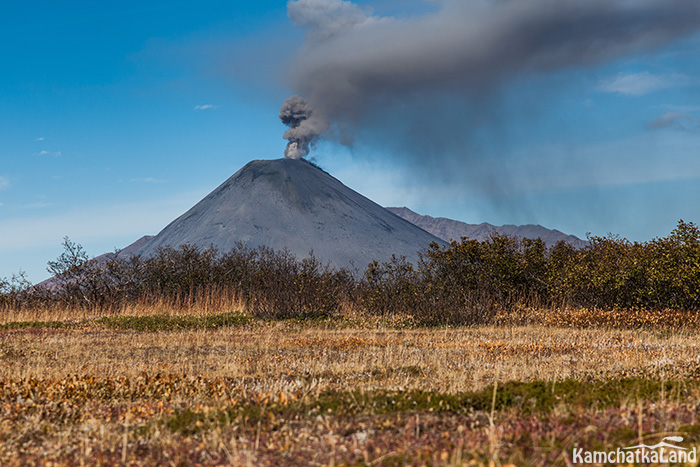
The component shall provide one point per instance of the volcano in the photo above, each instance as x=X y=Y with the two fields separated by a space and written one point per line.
x=294 y=205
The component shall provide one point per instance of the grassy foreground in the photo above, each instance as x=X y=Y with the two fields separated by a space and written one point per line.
x=210 y=388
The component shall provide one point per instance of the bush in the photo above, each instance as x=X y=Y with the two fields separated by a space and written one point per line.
x=465 y=282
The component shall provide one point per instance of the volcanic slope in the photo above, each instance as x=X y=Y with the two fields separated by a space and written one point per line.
x=292 y=204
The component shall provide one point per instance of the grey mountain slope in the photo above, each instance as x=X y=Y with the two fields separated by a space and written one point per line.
x=136 y=246
x=448 y=229
x=291 y=204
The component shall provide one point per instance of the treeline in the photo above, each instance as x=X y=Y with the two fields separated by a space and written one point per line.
x=464 y=282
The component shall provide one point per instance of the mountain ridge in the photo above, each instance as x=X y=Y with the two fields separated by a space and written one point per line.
x=450 y=229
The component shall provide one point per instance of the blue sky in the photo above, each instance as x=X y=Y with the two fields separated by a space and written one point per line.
x=116 y=117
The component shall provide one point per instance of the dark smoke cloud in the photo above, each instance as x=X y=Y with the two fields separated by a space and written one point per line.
x=355 y=66
x=305 y=126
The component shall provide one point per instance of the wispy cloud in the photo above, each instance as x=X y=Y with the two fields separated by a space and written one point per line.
x=205 y=107
x=4 y=183
x=146 y=180
x=639 y=84
x=48 y=153
x=91 y=223
x=40 y=138
x=677 y=120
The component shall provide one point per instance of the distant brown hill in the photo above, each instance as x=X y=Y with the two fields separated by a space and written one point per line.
x=449 y=229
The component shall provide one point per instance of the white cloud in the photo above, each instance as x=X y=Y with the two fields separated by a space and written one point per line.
x=4 y=183
x=205 y=107
x=48 y=153
x=639 y=84
x=40 y=138
x=678 y=120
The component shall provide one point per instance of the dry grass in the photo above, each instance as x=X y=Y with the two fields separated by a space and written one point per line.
x=669 y=319
x=340 y=391
x=203 y=303
x=276 y=356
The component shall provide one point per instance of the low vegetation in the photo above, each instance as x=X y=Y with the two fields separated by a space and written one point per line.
x=493 y=353
x=263 y=392
x=466 y=282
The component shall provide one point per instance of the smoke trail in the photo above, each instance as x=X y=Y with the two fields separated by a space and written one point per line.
x=354 y=66
x=304 y=126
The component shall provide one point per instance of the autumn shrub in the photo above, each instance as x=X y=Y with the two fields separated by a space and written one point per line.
x=391 y=287
x=614 y=272
x=469 y=281
x=272 y=284
x=503 y=268
x=673 y=271
x=463 y=282
x=279 y=285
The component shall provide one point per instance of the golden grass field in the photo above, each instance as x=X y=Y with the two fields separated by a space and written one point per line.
x=211 y=386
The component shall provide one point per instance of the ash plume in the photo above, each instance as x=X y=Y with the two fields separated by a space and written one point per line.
x=305 y=127
x=356 y=69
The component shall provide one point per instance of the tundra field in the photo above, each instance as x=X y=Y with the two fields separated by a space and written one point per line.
x=151 y=385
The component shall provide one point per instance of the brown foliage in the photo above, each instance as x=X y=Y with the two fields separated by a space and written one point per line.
x=465 y=282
